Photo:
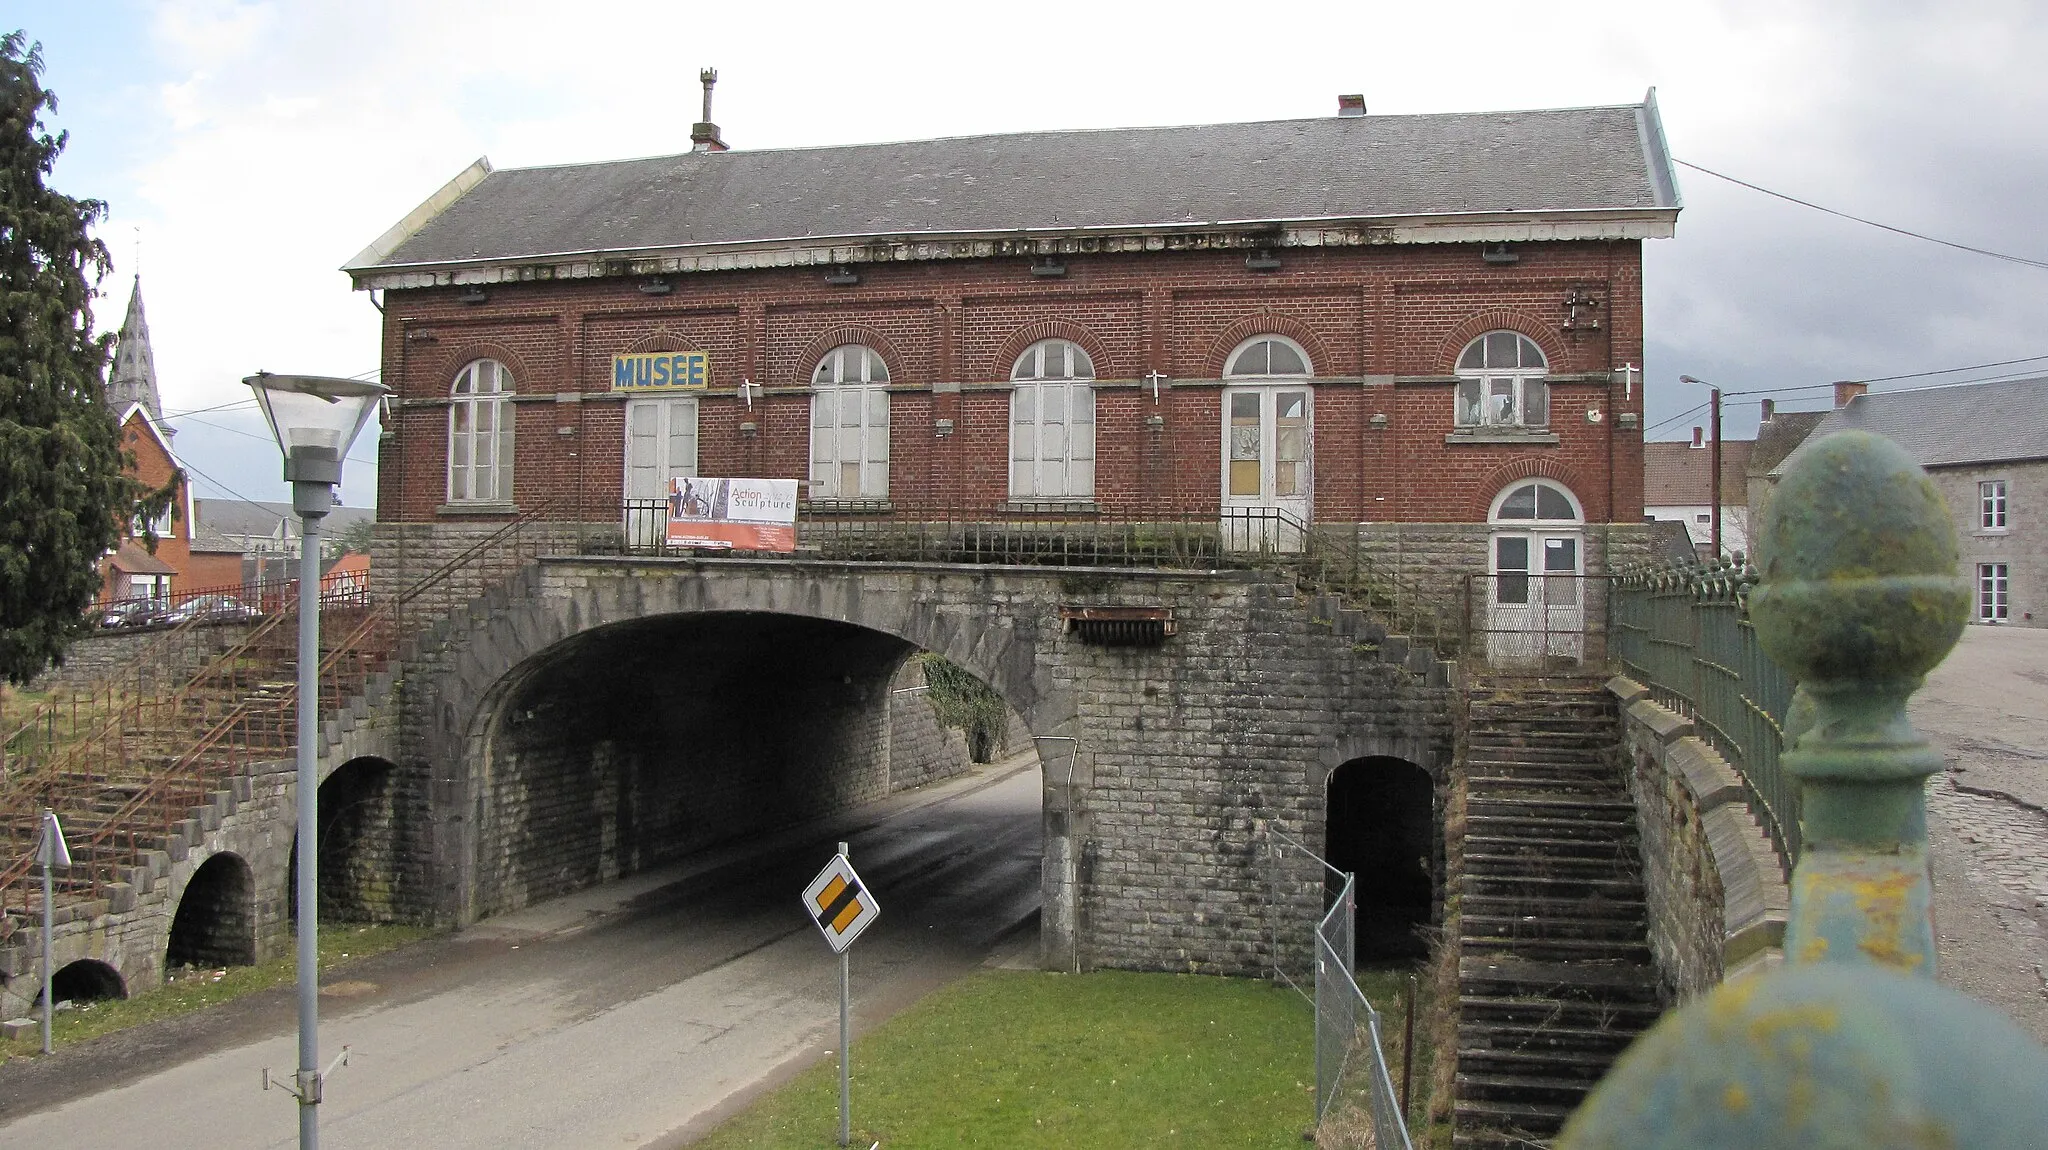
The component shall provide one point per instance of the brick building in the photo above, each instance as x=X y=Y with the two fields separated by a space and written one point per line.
x=1425 y=326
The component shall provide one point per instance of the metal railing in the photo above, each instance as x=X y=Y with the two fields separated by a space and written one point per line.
x=1684 y=633
x=1322 y=558
x=125 y=784
x=1347 y=1029
x=1533 y=619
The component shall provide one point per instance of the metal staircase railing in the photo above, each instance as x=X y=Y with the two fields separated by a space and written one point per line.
x=125 y=784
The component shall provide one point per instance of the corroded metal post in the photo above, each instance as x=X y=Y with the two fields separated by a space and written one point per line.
x=1851 y=1043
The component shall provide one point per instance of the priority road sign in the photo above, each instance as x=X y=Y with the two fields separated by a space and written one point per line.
x=841 y=906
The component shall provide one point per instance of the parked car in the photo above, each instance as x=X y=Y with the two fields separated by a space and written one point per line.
x=135 y=613
x=213 y=609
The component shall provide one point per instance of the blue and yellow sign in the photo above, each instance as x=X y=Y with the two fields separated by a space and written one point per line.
x=655 y=371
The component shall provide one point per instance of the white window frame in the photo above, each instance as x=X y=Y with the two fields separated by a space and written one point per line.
x=1484 y=377
x=1994 y=593
x=849 y=426
x=1991 y=505
x=1052 y=459
x=1234 y=367
x=479 y=460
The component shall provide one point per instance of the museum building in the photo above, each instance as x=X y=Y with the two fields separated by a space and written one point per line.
x=1426 y=326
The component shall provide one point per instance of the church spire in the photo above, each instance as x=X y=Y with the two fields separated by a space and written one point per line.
x=132 y=378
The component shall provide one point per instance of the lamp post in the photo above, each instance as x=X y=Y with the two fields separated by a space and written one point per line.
x=1716 y=461
x=315 y=419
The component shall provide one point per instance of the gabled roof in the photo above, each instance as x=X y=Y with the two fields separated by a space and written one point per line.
x=135 y=559
x=1779 y=436
x=1549 y=174
x=2000 y=422
x=1677 y=474
x=246 y=517
x=161 y=435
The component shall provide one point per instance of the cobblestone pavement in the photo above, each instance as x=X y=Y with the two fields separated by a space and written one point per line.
x=1986 y=709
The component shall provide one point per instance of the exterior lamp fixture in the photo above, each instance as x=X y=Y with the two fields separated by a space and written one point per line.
x=1262 y=260
x=315 y=420
x=656 y=285
x=1714 y=486
x=475 y=293
x=1048 y=266
x=842 y=276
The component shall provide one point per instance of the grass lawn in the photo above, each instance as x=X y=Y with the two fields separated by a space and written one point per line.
x=189 y=990
x=1019 y=1059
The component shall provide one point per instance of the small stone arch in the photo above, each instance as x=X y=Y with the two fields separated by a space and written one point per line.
x=1013 y=346
x=86 y=980
x=839 y=337
x=215 y=924
x=1513 y=471
x=1320 y=359
x=357 y=851
x=1498 y=319
x=1381 y=823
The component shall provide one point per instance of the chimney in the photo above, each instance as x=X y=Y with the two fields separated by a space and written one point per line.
x=704 y=133
x=1351 y=105
x=1699 y=437
x=1770 y=407
x=1846 y=390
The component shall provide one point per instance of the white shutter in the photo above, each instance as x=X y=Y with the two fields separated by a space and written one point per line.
x=822 y=434
x=1081 y=442
x=1023 y=440
x=875 y=475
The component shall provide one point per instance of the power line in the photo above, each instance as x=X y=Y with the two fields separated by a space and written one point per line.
x=259 y=438
x=2023 y=261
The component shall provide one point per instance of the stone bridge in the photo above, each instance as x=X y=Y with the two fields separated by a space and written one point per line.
x=596 y=716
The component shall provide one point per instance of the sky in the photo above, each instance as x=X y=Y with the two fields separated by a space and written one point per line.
x=247 y=150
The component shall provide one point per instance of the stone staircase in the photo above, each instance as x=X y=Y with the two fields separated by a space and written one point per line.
x=1554 y=974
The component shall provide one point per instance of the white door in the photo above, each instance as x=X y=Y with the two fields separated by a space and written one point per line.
x=1268 y=457
x=661 y=444
x=1536 y=609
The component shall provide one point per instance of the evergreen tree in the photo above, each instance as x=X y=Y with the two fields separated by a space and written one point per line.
x=63 y=494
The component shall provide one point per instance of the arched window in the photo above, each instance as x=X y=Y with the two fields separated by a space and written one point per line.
x=1052 y=422
x=850 y=425
x=1267 y=356
x=480 y=434
x=1501 y=382
x=1535 y=503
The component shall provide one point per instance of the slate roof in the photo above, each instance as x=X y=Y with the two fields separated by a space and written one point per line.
x=2001 y=422
x=1780 y=435
x=1574 y=160
x=236 y=518
x=1677 y=474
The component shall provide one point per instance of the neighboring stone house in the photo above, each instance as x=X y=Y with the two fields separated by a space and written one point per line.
x=1428 y=328
x=1678 y=486
x=1778 y=435
x=1986 y=447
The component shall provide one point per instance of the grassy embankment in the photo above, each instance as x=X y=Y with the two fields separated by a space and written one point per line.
x=1109 y=1059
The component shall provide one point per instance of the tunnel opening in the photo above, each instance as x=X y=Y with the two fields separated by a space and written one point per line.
x=215 y=924
x=87 y=980
x=358 y=855
x=1381 y=826
x=632 y=745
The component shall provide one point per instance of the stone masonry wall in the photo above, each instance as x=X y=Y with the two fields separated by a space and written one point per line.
x=1716 y=895
x=1151 y=818
x=920 y=750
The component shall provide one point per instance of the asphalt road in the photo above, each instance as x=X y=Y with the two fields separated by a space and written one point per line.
x=634 y=1014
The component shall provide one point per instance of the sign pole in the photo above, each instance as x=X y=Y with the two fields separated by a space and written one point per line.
x=52 y=853
x=49 y=912
x=845 y=1033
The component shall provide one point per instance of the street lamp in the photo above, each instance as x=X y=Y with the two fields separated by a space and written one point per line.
x=1715 y=461
x=315 y=420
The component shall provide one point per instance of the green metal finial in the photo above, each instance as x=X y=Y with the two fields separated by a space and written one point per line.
x=1853 y=1045
x=1859 y=600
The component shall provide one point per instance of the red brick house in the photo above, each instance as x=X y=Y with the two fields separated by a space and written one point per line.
x=1426 y=326
x=134 y=570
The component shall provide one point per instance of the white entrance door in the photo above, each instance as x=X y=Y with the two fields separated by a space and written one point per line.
x=1268 y=455
x=661 y=444
x=1537 y=608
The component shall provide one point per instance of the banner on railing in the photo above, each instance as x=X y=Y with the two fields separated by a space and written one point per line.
x=740 y=514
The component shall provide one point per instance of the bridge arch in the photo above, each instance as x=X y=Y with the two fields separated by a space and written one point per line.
x=86 y=980
x=654 y=712
x=215 y=924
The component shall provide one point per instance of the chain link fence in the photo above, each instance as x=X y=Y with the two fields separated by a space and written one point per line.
x=1347 y=1038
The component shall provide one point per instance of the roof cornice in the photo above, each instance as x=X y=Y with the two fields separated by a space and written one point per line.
x=813 y=251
